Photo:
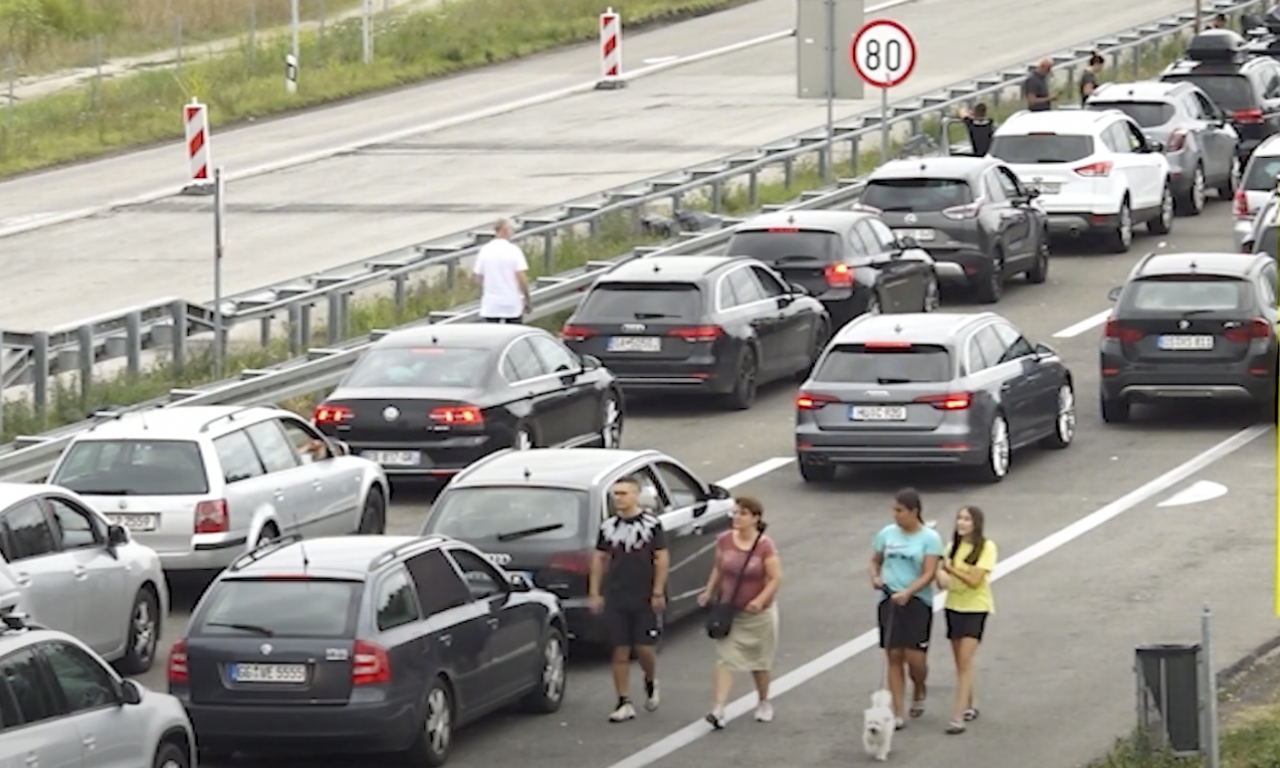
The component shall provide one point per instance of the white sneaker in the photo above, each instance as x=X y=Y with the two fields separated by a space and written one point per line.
x=764 y=712
x=652 y=698
x=623 y=713
x=716 y=718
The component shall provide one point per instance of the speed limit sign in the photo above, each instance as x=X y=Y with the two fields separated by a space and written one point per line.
x=883 y=53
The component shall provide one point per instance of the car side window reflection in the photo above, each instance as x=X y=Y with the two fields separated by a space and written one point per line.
x=84 y=683
x=397 y=604
x=483 y=582
x=75 y=527
x=21 y=673
x=29 y=532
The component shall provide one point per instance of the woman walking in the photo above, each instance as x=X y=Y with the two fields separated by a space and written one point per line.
x=748 y=573
x=904 y=566
x=966 y=572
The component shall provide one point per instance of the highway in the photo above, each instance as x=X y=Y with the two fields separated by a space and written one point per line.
x=327 y=213
x=1108 y=568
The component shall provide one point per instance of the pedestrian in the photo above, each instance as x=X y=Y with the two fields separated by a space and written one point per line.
x=903 y=567
x=1089 y=79
x=501 y=268
x=628 y=589
x=1036 y=88
x=981 y=129
x=1219 y=21
x=966 y=575
x=747 y=574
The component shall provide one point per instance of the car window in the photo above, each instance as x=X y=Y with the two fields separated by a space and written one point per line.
x=397 y=604
x=628 y=302
x=684 y=489
x=1118 y=139
x=1041 y=148
x=744 y=287
x=991 y=345
x=770 y=245
x=919 y=195
x=84 y=683
x=884 y=364
x=858 y=245
x=1137 y=139
x=1270 y=277
x=438 y=584
x=1009 y=183
x=992 y=188
x=881 y=234
x=276 y=452
x=553 y=355
x=977 y=359
x=1147 y=114
x=21 y=672
x=1261 y=173
x=1266 y=288
x=1183 y=295
x=133 y=467
x=482 y=580
x=485 y=515
x=1230 y=92
x=1016 y=346
x=771 y=285
x=306 y=442
x=521 y=362
x=75 y=527
x=9 y=715
x=29 y=532
x=238 y=458
x=1205 y=109
x=451 y=367
x=295 y=607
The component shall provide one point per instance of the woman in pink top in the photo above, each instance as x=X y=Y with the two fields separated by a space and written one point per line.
x=751 y=579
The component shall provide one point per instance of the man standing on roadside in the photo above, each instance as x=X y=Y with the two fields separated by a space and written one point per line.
x=1036 y=88
x=631 y=562
x=500 y=267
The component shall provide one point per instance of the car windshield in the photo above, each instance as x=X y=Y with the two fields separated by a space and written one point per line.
x=772 y=245
x=281 y=607
x=627 y=302
x=1147 y=114
x=509 y=513
x=413 y=367
x=1035 y=148
x=917 y=194
x=870 y=364
x=1230 y=92
x=133 y=468
x=1188 y=293
x=1262 y=173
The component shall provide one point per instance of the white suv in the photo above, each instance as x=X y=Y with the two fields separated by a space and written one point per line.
x=1257 y=186
x=1095 y=172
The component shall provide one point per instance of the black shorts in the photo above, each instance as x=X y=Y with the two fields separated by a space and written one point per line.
x=628 y=628
x=965 y=624
x=505 y=320
x=905 y=626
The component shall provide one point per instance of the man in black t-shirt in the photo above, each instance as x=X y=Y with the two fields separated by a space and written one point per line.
x=981 y=129
x=1036 y=88
x=631 y=563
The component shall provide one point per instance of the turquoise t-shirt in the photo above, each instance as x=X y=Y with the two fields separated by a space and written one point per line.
x=904 y=555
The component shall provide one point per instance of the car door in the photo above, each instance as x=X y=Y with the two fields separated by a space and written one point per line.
x=695 y=520
x=752 y=307
x=1022 y=240
x=108 y=730
x=682 y=540
x=249 y=488
x=1152 y=169
x=35 y=731
x=517 y=628
x=42 y=571
x=339 y=479
x=581 y=404
x=1009 y=380
x=296 y=487
x=904 y=276
x=102 y=580
x=795 y=321
x=1043 y=379
x=534 y=391
x=1217 y=136
x=1129 y=164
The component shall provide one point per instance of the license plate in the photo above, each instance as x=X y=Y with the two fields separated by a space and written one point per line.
x=878 y=413
x=268 y=673
x=1047 y=187
x=134 y=522
x=1185 y=343
x=394 y=458
x=635 y=344
x=920 y=235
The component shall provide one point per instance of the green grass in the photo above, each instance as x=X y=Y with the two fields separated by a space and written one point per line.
x=1250 y=739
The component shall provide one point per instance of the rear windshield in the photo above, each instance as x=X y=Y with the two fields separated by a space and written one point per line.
x=1041 y=148
x=625 y=302
x=1185 y=294
x=856 y=364
x=1262 y=173
x=1230 y=92
x=771 y=246
x=133 y=468
x=509 y=514
x=1147 y=114
x=917 y=194
x=419 y=367
x=281 y=608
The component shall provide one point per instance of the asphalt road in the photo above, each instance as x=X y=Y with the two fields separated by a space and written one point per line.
x=333 y=212
x=1054 y=677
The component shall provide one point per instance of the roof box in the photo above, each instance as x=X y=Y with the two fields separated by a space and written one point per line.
x=1216 y=45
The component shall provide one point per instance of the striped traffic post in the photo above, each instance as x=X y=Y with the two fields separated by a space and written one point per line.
x=610 y=52
x=195 y=118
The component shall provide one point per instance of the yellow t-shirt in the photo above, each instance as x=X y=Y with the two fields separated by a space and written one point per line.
x=962 y=597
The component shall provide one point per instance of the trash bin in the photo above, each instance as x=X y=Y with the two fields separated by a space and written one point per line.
x=1169 y=674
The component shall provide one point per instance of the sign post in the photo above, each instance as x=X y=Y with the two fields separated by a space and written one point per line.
x=291 y=73
x=823 y=28
x=884 y=55
x=219 y=220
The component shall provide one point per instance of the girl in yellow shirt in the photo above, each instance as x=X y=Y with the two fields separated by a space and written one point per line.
x=965 y=574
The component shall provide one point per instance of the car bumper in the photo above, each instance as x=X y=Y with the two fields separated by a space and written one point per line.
x=1189 y=383
x=959 y=267
x=1076 y=224
x=435 y=460
x=948 y=445
x=710 y=376
x=204 y=552
x=383 y=726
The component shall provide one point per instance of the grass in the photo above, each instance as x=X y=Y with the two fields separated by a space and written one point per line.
x=247 y=83
x=1250 y=739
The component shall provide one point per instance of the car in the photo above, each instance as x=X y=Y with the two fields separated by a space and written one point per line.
x=201 y=484
x=1257 y=185
x=978 y=222
x=937 y=389
x=79 y=574
x=850 y=260
x=539 y=513
x=427 y=402
x=1096 y=172
x=716 y=325
x=1199 y=141
x=63 y=705
x=364 y=644
x=1191 y=326
x=1263 y=236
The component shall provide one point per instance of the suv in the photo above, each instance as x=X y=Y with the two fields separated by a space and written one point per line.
x=1264 y=231
x=1257 y=186
x=198 y=484
x=61 y=705
x=1095 y=172
x=1191 y=326
x=366 y=644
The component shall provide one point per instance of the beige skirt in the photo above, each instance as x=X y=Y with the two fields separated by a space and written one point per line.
x=751 y=641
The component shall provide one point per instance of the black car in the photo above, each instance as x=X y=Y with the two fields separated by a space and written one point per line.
x=538 y=513
x=971 y=214
x=709 y=324
x=363 y=644
x=429 y=401
x=1198 y=326
x=850 y=260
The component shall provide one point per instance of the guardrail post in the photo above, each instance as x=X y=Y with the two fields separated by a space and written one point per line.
x=854 y=151
x=717 y=196
x=593 y=226
x=133 y=343
x=548 y=251
x=40 y=373
x=451 y=274
x=264 y=332
x=344 y=303
x=304 y=320
x=179 y=340
x=787 y=169
x=335 y=319
x=1137 y=60
x=398 y=283
x=753 y=189
x=84 y=339
x=824 y=152
x=295 y=330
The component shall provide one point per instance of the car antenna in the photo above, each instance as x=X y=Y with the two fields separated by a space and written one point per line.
x=527 y=475
x=897 y=328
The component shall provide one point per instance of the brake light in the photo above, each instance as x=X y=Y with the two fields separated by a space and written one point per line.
x=177 y=669
x=698 y=333
x=887 y=345
x=960 y=212
x=458 y=415
x=1095 y=170
x=1177 y=140
x=1247 y=116
x=576 y=333
x=577 y=563
x=783 y=229
x=370 y=664
x=952 y=401
x=211 y=517
x=1256 y=329
x=331 y=414
x=1114 y=330
x=1240 y=205
x=809 y=402
x=838 y=276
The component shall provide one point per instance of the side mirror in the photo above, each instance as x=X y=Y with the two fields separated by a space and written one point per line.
x=907 y=243
x=1114 y=293
x=591 y=363
x=519 y=583
x=1154 y=146
x=130 y=693
x=799 y=289
x=117 y=535
x=340 y=448
x=719 y=492
x=1032 y=194
x=1044 y=350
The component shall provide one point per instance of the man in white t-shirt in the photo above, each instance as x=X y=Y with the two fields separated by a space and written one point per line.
x=500 y=267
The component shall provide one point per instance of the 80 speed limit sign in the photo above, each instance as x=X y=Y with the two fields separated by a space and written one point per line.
x=883 y=53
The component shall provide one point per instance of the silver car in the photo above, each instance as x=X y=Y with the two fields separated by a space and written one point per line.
x=1263 y=236
x=202 y=484
x=1199 y=141
x=1261 y=174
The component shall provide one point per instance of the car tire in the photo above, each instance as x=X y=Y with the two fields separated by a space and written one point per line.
x=747 y=382
x=549 y=695
x=435 y=735
x=932 y=295
x=1114 y=411
x=170 y=755
x=1064 y=424
x=268 y=534
x=995 y=467
x=611 y=420
x=523 y=438
x=816 y=473
x=1227 y=190
x=821 y=334
x=144 y=633
x=991 y=288
x=1040 y=272
x=1162 y=224
x=1119 y=239
x=373 y=518
x=1192 y=203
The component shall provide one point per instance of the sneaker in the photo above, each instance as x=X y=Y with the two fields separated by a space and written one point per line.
x=651 y=695
x=764 y=712
x=716 y=718
x=623 y=713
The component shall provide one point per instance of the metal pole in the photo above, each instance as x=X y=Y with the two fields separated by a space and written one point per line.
x=178 y=29
x=884 y=125
x=1198 y=11
x=829 y=154
x=219 y=214
x=293 y=28
x=1210 y=689
x=13 y=75
x=366 y=32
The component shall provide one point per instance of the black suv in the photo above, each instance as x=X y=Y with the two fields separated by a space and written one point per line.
x=364 y=644
x=971 y=214
x=1191 y=326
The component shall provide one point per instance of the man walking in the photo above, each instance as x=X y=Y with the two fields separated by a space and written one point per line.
x=1036 y=88
x=500 y=267
x=631 y=562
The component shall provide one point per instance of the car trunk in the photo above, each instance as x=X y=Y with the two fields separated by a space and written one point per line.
x=1055 y=165
x=1189 y=320
x=633 y=323
x=883 y=388
x=922 y=207
x=806 y=257
x=163 y=523
x=1235 y=96
x=420 y=416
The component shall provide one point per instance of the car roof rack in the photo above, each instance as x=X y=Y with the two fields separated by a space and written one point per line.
x=264 y=549
x=227 y=417
x=431 y=539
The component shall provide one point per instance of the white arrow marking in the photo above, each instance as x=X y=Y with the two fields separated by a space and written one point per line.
x=1195 y=493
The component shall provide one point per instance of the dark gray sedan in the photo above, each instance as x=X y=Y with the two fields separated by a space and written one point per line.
x=931 y=389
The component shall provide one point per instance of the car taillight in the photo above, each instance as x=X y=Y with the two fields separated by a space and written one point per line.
x=1240 y=205
x=697 y=333
x=1095 y=170
x=1114 y=330
x=952 y=401
x=806 y=401
x=1247 y=116
x=1256 y=329
x=960 y=212
x=576 y=333
x=838 y=276
x=577 y=563
x=457 y=415
x=177 y=669
x=331 y=414
x=211 y=517
x=370 y=664
x=1177 y=140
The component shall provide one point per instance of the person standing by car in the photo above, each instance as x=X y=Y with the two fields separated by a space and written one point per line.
x=966 y=575
x=501 y=268
x=981 y=129
x=1036 y=88
x=1089 y=79
x=628 y=587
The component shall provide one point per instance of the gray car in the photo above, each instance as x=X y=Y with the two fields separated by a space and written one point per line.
x=1263 y=235
x=1199 y=140
x=935 y=389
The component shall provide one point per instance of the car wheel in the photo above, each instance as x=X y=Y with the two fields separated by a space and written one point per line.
x=523 y=439
x=1040 y=272
x=1122 y=236
x=817 y=473
x=1163 y=224
x=373 y=520
x=144 y=633
x=999 y=451
x=170 y=755
x=1064 y=425
x=268 y=534
x=1192 y=203
x=821 y=333
x=1114 y=411
x=431 y=747
x=1227 y=190
x=611 y=421
x=549 y=694
x=932 y=295
x=743 y=395
x=992 y=288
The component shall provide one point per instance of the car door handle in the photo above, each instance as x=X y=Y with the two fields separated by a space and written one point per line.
x=697 y=529
x=89 y=742
x=33 y=759
x=279 y=494
x=79 y=572
x=23 y=579
x=317 y=485
x=493 y=622
x=446 y=639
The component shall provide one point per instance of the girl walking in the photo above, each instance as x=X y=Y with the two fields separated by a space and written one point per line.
x=966 y=575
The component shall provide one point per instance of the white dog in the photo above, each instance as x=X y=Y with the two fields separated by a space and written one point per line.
x=878 y=725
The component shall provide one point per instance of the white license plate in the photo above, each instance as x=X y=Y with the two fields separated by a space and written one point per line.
x=920 y=235
x=878 y=413
x=394 y=458
x=1185 y=343
x=135 y=522
x=268 y=673
x=1047 y=187
x=635 y=344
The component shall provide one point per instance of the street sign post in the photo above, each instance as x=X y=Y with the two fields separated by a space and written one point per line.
x=884 y=55
x=822 y=29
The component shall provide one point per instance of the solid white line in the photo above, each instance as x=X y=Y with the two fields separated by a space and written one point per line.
x=1076 y=329
x=659 y=59
x=833 y=658
x=751 y=473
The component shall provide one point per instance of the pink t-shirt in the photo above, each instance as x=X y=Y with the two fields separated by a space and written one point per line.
x=731 y=560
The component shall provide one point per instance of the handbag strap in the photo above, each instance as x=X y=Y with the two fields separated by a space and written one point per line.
x=733 y=597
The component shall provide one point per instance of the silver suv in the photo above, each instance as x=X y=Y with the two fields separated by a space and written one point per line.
x=200 y=484
x=62 y=705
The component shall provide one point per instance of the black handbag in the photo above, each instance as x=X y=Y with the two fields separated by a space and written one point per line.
x=720 y=615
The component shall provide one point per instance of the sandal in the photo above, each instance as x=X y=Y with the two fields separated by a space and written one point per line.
x=971 y=714
x=917 y=705
x=954 y=728
x=899 y=724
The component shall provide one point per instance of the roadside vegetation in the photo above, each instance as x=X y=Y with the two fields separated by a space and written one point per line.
x=1250 y=739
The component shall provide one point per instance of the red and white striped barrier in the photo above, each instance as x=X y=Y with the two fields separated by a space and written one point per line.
x=195 y=117
x=610 y=51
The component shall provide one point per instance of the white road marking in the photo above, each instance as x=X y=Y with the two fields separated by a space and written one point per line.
x=833 y=658
x=752 y=472
x=1196 y=493
x=659 y=60
x=1072 y=331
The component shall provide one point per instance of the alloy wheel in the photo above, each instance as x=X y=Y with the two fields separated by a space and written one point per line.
x=1066 y=414
x=144 y=631
x=1197 y=190
x=611 y=430
x=553 y=669
x=439 y=721
x=999 y=447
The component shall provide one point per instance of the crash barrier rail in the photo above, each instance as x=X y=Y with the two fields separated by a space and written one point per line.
x=35 y=357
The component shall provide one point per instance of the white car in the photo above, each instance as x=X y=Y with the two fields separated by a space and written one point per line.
x=1096 y=172
x=78 y=574
x=1257 y=185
